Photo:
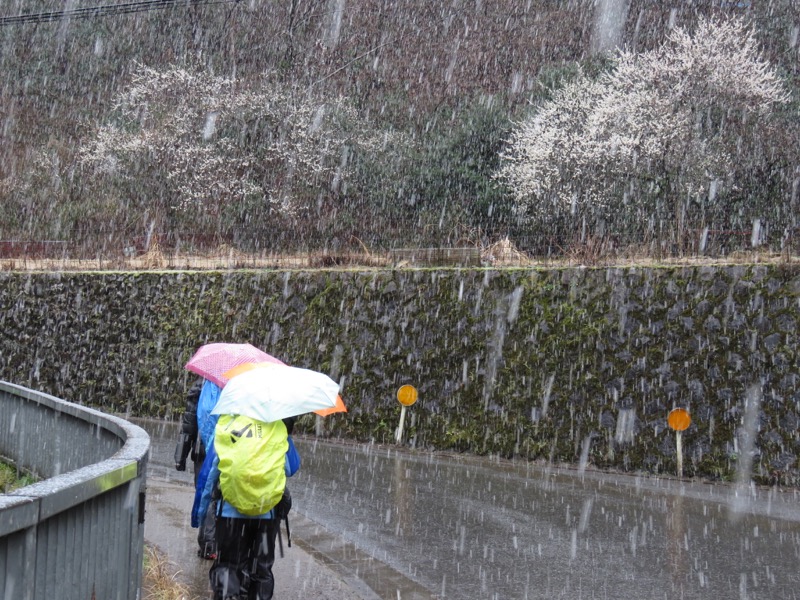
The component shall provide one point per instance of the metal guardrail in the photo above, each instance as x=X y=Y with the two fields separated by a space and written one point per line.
x=464 y=257
x=78 y=533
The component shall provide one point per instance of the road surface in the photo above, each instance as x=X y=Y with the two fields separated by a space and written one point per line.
x=393 y=523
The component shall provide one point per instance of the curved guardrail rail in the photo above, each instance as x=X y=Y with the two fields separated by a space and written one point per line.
x=77 y=533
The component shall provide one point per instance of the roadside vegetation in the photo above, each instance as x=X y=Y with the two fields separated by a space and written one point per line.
x=399 y=125
x=11 y=480
x=159 y=577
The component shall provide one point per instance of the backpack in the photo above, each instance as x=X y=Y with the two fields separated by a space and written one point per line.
x=251 y=462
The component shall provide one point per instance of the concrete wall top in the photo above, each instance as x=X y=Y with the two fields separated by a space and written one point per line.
x=26 y=506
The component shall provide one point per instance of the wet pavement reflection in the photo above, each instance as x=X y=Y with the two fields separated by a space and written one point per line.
x=477 y=528
x=464 y=527
x=318 y=566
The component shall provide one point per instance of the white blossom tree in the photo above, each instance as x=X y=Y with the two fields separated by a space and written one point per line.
x=203 y=143
x=661 y=129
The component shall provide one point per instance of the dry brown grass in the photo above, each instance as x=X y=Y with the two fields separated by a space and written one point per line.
x=159 y=578
x=154 y=257
x=504 y=252
x=500 y=254
x=215 y=261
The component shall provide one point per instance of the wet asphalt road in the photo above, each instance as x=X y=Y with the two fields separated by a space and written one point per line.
x=319 y=565
x=401 y=524
x=299 y=575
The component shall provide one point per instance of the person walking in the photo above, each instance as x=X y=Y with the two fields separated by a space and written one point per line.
x=246 y=467
x=192 y=443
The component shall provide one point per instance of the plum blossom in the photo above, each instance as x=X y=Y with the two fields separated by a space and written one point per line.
x=212 y=140
x=665 y=120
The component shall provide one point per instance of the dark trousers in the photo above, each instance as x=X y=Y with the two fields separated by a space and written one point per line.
x=245 y=555
x=206 y=535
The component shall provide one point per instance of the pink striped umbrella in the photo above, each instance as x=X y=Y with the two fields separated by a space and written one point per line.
x=212 y=361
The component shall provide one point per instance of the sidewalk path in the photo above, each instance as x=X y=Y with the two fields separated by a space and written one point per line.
x=299 y=575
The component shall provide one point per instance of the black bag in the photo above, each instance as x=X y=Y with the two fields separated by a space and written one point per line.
x=283 y=507
x=184 y=447
x=281 y=511
x=198 y=452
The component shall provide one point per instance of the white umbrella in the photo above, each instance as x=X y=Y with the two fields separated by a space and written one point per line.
x=271 y=392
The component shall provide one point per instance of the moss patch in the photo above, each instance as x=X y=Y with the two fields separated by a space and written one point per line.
x=10 y=479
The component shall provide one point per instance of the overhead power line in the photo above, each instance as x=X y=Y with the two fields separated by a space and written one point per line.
x=103 y=11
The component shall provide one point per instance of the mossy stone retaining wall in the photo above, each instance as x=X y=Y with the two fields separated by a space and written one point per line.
x=562 y=365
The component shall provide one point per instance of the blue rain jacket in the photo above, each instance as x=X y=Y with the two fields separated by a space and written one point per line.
x=206 y=422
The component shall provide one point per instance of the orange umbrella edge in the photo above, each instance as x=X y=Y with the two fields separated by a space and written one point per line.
x=245 y=367
x=340 y=407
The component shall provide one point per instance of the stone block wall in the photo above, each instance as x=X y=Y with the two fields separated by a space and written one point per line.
x=563 y=365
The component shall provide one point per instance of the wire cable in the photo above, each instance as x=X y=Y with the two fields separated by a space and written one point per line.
x=103 y=11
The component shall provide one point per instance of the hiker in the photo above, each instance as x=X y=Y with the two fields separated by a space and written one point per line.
x=246 y=467
x=196 y=433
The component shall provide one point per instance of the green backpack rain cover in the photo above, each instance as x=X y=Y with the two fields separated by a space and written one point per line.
x=251 y=455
